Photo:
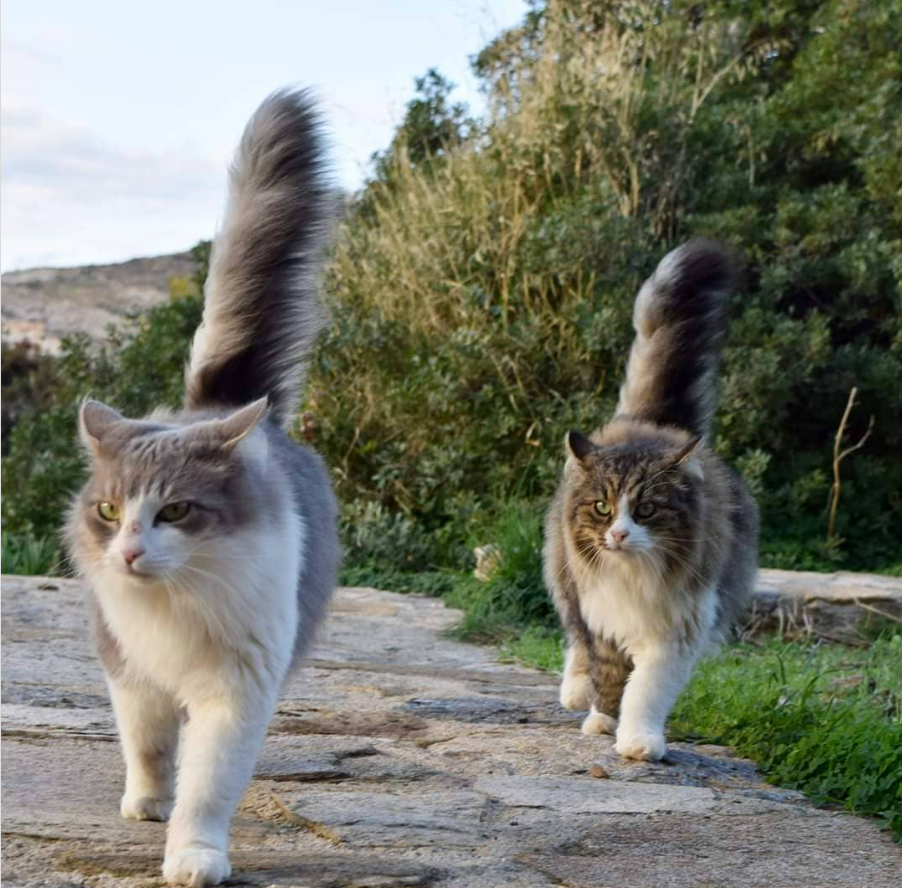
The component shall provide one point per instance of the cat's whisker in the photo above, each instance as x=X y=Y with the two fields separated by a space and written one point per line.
x=684 y=563
x=206 y=549
x=682 y=539
x=206 y=574
x=573 y=561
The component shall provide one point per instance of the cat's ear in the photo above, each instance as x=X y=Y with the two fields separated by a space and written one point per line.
x=232 y=430
x=95 y=420
x=684 y=454
x=578 y=446
x=688 y=458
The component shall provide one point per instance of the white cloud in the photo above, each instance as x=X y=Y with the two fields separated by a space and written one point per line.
x=70 y=197
x=117 y=126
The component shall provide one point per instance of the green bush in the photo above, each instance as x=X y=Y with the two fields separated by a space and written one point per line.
x=137 y=368
x=513 y=598
x=482 y=299
x=29 y=383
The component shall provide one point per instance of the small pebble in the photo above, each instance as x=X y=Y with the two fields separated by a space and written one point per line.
x=599 y=772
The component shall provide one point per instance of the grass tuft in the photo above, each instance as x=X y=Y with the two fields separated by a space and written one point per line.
x=514 y=598
x=30 y=555
x=823 y=719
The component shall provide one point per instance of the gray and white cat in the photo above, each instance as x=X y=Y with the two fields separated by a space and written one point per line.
x=207 y=537
x=651 y=541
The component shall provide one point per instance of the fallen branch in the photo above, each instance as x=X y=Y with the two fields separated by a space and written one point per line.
x=876 y=610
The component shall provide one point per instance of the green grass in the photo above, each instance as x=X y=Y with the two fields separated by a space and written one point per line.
x=538 y=646
x=514 y=598
x=435 y=583
x=823 y=719
x=29 y=555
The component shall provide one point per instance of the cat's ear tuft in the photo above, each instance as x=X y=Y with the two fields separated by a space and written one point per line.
x=685 y=453
x=235 y=428
x=578 y=446
x=687 y=457
x=94 y=422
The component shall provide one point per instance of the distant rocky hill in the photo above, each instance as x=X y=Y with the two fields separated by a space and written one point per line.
x=45 y=304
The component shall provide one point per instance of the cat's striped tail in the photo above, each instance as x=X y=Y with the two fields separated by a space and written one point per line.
x=262 y=309
x=680 y=321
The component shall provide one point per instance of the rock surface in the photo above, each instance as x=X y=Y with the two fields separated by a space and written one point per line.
x=401 y=758
x=45 y=304
x=835 y=606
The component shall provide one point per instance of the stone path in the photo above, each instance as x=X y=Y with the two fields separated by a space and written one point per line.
x=401 y=758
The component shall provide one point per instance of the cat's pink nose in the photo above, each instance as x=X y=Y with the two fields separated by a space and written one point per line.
x=619 y=536
x=131 y=555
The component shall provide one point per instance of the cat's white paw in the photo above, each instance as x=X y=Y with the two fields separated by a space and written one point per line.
x=145 y=808
x=576 y=691
x=195 y=866
x=642 y=747
x=598 y=723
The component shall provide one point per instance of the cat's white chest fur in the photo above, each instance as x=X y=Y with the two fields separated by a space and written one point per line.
x=234 y=610
x=630 y=603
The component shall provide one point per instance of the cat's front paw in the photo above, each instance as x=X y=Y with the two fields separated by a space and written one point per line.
x=642 y=747
x=576 y=691
x=145 y=808
x=598 y=723
x=196 y=866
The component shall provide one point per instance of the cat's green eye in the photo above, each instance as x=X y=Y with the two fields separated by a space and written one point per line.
x=602 y=508
x=173 y=512
x=645 y=510
x=108 y=511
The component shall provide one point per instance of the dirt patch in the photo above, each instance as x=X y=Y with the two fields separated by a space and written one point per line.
x=363 y=724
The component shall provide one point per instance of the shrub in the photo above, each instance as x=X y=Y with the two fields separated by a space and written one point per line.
x=482 y=301
x=138 y=367
x=514 y=597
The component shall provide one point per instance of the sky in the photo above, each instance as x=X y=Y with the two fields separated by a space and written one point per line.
x=118 y=119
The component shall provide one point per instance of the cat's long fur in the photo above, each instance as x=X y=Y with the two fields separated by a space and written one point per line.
x=651 y=541
x=199 y=618
x=262 y=311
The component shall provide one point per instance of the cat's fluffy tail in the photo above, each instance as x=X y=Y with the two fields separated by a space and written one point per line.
x=680 y=322
x=262 y=308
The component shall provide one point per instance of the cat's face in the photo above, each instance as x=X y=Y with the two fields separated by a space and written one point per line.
x=632 y=499
x=161 y=499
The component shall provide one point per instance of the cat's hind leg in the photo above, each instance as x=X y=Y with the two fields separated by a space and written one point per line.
x=148 y=721
x=609 y=669
x=576 y=685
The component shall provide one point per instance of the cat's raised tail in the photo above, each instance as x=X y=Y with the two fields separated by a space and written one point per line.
x=680 y=321
x=262 y=310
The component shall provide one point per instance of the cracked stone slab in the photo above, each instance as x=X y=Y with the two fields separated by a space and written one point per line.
x=400 y=757
x=577 y=796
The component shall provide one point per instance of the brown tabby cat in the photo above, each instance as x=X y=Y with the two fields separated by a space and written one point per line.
x=651 y=541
